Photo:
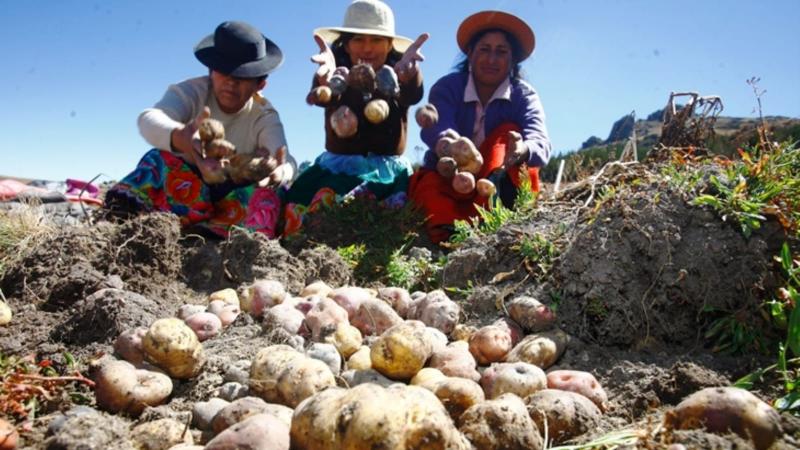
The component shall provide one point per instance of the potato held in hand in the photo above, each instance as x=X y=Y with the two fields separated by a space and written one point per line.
x=464 y=182
x=427 y=116
x=343 y=122
x=173 y=346
x=376 y=111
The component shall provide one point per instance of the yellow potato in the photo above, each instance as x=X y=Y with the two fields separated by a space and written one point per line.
x=401 y=351
x=173 y=346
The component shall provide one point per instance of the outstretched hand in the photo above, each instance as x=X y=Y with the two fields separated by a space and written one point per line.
x=325 y=59
x=408 y=66
x=516 y=150
x=183 y=138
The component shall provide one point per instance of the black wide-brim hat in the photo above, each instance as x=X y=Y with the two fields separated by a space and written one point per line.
x=239 y=50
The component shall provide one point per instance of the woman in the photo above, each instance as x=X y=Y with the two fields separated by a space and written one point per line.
x=370 y=161
x=174 y=176
x=487 y=101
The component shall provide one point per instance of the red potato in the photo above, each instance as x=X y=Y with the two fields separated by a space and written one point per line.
x=512 y=327
x=160 y=434
x=304 y=304
x=426 y=116
x=262 y=294
x=490 y=344
x=350 y=298
x=464 y=182
x=485 y=187
x=436 y=310
x=500 y=424
x=128 y=345
x=455 y=361
x=579 y=382
x=245 y=407
x=119 y=386
x=374 y=316
x=562 y=414
x=226 y=312
x=257 y=432
x=520 y=379
x=541 y=349
x=8 y=436
x=324 y=317
x=285 y=316
x=531 y=314
x=725 y=409
x=205 y=325
x=446 y=167
x=398 y=298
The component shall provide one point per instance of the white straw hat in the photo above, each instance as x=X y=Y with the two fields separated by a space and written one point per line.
x=367 y=17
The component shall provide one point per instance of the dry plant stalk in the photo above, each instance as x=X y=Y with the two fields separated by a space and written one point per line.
x=692 y=124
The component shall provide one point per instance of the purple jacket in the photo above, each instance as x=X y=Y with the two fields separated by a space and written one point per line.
x=524 y=109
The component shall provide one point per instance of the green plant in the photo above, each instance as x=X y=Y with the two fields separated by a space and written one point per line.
x=352 y=254
x=538 y=253
x=413 y=273
x=735 y=332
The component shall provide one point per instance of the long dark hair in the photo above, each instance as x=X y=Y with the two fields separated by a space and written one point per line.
x=343 y=59
x=516 y=52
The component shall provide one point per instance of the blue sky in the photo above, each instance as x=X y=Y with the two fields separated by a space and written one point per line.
x=76 y=74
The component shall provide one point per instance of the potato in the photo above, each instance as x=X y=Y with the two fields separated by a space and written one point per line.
x=579 y=382
x=285 y=316
x=398 y=298
x=280 y=374
x=368 y=416
x=324 y=317
x=203 y=413
x=485 y=187
x=257 y=432
x=426 y=116
x=724 y=409
x=490 y=344
x=401 y=351
x=531 y=314
x=227 y=296
x=226 y=312
x=210 y=129
x=121 y=387
x=161 y=434
x=541 y=349
x=561 y=414
x=9 y=436
x=447 y=167
x=436 y=310
x=346 y=338
x=437 y=338
x=187 y=447
x=319 y=288
x=350 y=298
x=262 y=294
x=500 y=424
x=344 y=122
x=376 y=110
x=5 y=314
x=173 y=346
x=328 y=354
x=188 y=310
x=457 y=395
x=463 y=332
x=455 y=361
x=374 y=316
x=519 y=378
x=427 y=378
x=304 y=304
x=128 y=345
x=353 y=378
x=245 y=407
x=360 y=360
x=205 y=325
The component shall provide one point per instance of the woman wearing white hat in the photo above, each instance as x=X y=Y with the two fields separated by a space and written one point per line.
x=366 y=158
x=487 y=101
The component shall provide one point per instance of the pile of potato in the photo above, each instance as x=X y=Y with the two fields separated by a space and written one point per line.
x=369 y=368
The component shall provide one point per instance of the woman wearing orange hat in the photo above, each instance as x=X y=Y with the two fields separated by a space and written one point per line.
x=487 y=101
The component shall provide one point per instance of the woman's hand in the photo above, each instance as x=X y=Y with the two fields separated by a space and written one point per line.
x=407 y=67
x=183 y=138
x=281 y=170
x=325 y=59
x=516 y=150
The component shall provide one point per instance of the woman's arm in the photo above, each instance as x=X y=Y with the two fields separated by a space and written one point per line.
x=534 y=130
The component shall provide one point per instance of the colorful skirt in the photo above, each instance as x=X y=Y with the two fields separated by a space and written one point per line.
x=162 y=181
x=335 y=178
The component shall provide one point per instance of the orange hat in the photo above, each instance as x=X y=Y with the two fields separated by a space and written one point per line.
x=486 y=20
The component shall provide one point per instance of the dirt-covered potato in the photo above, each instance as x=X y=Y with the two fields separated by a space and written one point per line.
x=374 y=316
x=203 y=413
x=285 y=316
x=204 y=324
x=121 y=387
x=490 y=344
x=210 y=129
x=455 y=361
x=227 y=312
x=257 y=432
x=565 y=414
x=262 y=294
x=540 y=349
x=324 y=318
x=436 y=310
x=437 y=338
x=500 y=424
x=725 y=409
x=402 y=350
x=328 y=354
x=360 y=360
x=398 y=298
x=427 y=378
x=369 y=416
x=579 y=382
x=161 y=434
x=173 y=346
x=350 y=298
x=457 y=395
x=519 y=378
x=280 y=374
x=245 y=407
x=531 y=314
x=318 y=288
x=346 y=338
x=128 y=345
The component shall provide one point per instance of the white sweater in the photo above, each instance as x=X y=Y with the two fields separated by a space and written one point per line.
x=255 y=126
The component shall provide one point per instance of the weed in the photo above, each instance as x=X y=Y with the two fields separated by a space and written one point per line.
x=462 y=292
x=20 y=230
x=597 y=308
x=538 y=253
x=413 y=273
x=352 y=254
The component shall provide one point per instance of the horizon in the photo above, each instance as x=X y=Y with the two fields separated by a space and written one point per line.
x=80 y=73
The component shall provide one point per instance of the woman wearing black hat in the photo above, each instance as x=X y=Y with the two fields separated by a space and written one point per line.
x=488 y=102
x=170 y=177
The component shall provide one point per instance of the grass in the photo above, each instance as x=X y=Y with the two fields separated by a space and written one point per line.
x=21 y=230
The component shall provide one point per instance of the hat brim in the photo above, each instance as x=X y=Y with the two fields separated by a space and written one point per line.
x=330 y=34
x=207 y=54
x=486 y=20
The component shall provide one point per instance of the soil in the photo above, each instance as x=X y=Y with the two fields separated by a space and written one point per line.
x=636 y=283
